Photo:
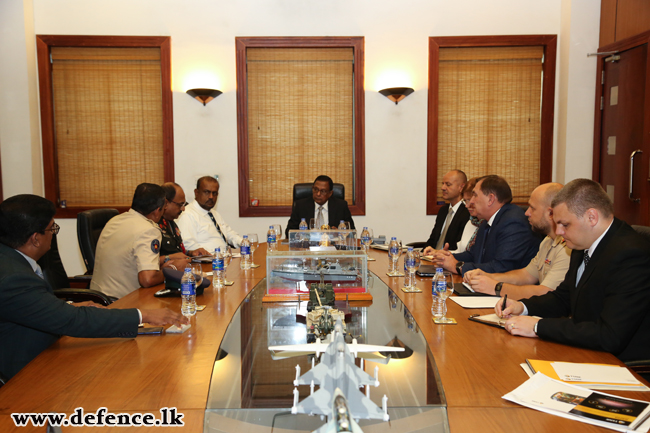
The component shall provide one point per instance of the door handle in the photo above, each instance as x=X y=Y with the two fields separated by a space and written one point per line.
x=635 y=200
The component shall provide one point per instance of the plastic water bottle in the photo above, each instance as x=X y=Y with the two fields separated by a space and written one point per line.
x=245 y=250
x=438 y=306
x=271 y=239
x=303 y=225
x=409 y=264
x=342 y=225
x=365 y=239
x=217 y=269
x=188 y=293
x=393 y=254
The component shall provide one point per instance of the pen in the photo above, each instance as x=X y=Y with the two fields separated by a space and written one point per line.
x=503 y=306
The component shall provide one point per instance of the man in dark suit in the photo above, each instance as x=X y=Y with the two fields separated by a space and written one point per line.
x=452 y=217
x=321 y=206
x=604 y=301
x=31 y=317
x=504 y=240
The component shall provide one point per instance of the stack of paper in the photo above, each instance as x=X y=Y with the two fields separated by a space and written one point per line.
x=568 y=401
x=592 y=376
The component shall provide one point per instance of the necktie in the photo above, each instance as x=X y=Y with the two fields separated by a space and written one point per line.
x=217 y=226
x=441 y=239
x=485 y=235
x=39 y=271
x=476 y=223
x=319 y=217
x=586 y=258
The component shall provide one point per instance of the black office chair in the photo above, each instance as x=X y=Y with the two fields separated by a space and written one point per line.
x=90 y=224
x=643 y=230
x=55 y=274
x=303 y=190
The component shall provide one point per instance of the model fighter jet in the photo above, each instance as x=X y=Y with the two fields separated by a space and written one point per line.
x=337 y=371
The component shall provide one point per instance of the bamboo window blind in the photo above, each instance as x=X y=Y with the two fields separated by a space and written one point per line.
x=300 y=120
x=108 y=123
x=490 y=114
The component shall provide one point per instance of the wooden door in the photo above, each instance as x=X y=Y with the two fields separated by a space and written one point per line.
x=624 y=150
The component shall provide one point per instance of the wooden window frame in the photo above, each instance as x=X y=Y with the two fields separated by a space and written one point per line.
x=242 y=43
x=549 y=42
x=50 y=166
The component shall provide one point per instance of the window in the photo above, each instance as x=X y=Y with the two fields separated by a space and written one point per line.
x=491 y=110
x=300 y=115
x=106 y=118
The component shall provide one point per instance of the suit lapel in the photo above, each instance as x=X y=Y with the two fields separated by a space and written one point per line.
x=593 y=261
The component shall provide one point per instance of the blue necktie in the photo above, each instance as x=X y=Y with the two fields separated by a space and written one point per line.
x=485 y=235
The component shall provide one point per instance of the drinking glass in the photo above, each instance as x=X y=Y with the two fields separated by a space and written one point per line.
x=227 y=258
x=197 y=270
x=312 y=224
x=411 y=268
x=278 y=232
x=252 y=238
x=394 y=255
x=444 y=294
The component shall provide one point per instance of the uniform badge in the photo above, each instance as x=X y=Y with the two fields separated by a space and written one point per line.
x=155 y=246
x=178 y=232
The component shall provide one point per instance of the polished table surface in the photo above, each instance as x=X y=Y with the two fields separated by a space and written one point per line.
x=477 y=364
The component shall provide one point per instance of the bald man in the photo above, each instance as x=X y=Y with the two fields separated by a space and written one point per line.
x=452 y=217
x=546 y=270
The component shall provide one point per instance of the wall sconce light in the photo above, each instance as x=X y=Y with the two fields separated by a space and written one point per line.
x=203 y=95
x=396 y=94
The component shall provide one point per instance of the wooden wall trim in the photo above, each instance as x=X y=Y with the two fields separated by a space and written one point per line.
x=548 y=100
x=359 y=186
x=43 y=45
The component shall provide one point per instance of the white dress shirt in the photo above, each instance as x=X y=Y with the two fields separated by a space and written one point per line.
x=198 y=230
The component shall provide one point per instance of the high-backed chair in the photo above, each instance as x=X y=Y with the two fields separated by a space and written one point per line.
x=90 y=224
x=643 y=231
x=55 y=274
x=303 y=190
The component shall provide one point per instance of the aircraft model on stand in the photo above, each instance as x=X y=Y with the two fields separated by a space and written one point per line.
x=337 y=376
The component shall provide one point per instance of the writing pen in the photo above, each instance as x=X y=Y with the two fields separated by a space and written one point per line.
x=503 y=306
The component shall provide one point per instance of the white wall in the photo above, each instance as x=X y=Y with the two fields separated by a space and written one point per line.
x=396 y=39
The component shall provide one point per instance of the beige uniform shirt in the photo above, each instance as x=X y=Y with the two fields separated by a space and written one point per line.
x=129 y=243
x=551 y=263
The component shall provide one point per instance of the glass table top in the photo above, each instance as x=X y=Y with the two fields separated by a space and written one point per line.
x=249 y=391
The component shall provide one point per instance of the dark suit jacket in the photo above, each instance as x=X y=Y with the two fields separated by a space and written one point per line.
x=32 y=318
x=510 y=243
x=337 y=210
x=456 y=227
x=609 y=310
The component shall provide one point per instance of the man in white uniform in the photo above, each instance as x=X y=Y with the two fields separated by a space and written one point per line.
x=201 y=225
x=127 y=256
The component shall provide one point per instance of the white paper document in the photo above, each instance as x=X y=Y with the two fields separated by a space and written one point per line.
x=581 y=404
x=574 y=372
x=475 y=301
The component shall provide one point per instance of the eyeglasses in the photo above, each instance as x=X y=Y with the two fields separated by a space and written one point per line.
x=321 y=191
x=54 y=229
x=179 y=204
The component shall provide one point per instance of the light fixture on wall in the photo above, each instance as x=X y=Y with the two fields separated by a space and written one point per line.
x=203 y=95
x=396 y=94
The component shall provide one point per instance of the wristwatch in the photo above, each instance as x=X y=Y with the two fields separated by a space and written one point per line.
x=166 y=259
x=497 y=289
x=535 y=327
x=459 y=268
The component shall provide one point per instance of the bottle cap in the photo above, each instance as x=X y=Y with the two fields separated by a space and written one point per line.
x=394 y=238
x=410 y=249
x=270 y=227
x=365 y=228
x=245 y=236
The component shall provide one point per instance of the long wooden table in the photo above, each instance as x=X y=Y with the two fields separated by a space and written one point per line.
x=477 y=364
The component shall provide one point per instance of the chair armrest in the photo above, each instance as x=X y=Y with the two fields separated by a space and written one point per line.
x=640 y=367
x=82 y=295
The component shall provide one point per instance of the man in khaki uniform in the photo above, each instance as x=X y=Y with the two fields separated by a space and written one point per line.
x=546 y=270
x=128 y=250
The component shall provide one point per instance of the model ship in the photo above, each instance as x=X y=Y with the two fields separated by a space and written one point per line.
x=328 y=272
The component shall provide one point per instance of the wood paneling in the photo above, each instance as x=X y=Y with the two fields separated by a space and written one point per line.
x=632 y=18
x=607 y=22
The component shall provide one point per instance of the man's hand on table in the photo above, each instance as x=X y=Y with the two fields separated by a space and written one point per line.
x=177 y=261
x=444 y=259
x=199 y=252
x=516 y=324
x=480 y=281
x=163 y=316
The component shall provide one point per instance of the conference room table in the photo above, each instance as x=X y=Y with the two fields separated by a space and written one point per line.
x=477 y=364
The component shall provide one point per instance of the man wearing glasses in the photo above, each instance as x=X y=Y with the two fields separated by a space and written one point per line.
x=201 y=225
x=31 y=317
x=172 y=246
x=322 y=207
